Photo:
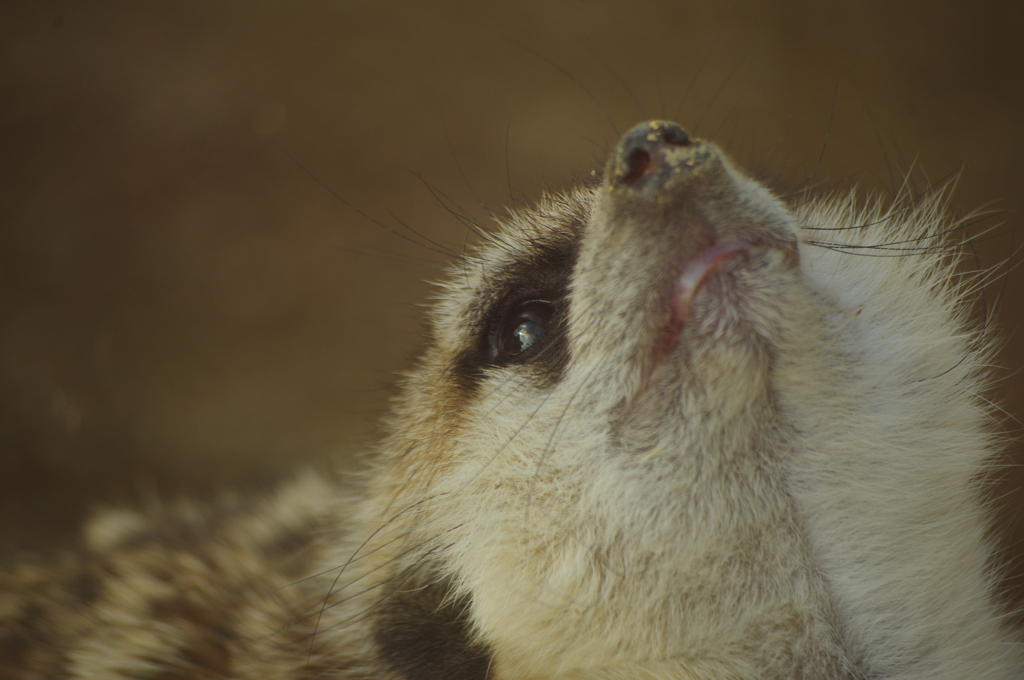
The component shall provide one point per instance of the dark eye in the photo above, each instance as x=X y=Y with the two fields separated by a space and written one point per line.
x=524 y=328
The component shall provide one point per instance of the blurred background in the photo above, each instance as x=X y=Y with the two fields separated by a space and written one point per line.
x=207 y=210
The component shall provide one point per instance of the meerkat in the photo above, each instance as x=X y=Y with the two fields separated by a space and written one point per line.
x=668 y=428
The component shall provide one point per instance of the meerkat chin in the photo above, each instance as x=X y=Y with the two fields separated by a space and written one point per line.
x=668 y=428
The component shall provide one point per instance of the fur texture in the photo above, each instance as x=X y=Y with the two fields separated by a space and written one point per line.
x=667 y=428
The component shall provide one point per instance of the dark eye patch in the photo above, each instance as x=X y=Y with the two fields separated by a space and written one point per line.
x=520 y=319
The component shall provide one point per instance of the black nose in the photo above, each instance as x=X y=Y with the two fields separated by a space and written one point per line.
x=640 y=149
x=653 y=134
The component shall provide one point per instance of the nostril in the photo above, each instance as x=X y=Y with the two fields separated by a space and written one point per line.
x=651 y=154
x=637 y=164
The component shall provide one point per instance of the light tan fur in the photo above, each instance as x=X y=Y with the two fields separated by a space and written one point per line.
x=775 y=478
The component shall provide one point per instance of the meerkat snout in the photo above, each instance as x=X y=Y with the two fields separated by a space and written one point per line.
x=688 y=241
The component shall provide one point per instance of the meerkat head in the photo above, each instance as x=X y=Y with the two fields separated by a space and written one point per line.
x=613 y=459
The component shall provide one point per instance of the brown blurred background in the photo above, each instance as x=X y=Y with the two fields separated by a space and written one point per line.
x=184 y=307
